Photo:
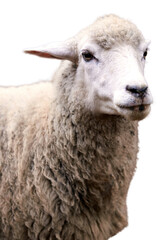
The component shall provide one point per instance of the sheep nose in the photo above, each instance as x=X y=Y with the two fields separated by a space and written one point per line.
x=138 y=91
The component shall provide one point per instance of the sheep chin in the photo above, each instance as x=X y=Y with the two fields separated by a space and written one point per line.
x=134 y=113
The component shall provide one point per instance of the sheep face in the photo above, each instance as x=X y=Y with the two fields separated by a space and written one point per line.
x=110 y=57
x=114 y=79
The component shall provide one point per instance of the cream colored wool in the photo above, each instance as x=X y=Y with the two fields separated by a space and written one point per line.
x=64 y=170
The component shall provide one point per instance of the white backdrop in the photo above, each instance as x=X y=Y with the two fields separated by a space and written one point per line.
x=34 y=22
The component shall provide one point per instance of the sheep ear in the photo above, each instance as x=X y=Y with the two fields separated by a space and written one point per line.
x=63 y=51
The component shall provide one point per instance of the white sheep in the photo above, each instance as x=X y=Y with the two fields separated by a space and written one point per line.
x=68 y=148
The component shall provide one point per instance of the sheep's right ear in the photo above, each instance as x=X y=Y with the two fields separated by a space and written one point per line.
x=63 y=51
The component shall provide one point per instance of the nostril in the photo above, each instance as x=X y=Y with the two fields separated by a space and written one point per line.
x=136 y=89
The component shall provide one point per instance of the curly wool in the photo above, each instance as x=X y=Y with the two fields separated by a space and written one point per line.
x=64 y=172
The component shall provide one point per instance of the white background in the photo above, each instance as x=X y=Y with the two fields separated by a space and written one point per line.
x=34 y=22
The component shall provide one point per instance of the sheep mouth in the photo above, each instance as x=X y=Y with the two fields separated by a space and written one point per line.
x=136 y=108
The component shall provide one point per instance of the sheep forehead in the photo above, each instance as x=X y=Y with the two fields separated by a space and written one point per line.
x=109 y=30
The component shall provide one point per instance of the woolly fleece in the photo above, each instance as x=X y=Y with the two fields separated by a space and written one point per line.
x=64 y=171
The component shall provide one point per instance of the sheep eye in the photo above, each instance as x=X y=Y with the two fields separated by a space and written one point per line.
x=145 y=54
x=87 y=56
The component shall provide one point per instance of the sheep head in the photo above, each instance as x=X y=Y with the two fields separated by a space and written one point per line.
x=110 y=55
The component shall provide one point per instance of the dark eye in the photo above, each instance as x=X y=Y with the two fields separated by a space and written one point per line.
x=87 y=56
x=145 y=54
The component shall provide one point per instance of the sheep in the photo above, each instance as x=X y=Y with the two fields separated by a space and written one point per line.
x=68 y=147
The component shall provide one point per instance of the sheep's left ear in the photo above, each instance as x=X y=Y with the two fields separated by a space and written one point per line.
x=63 y=51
